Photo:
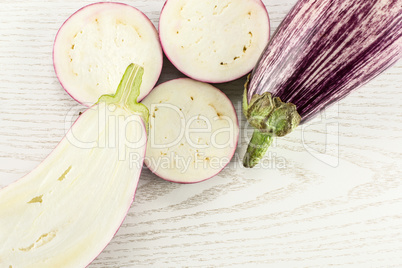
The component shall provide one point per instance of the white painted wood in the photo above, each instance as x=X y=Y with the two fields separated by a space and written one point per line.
x=340 y=208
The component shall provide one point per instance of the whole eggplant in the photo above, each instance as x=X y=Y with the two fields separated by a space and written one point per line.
x=320 y=53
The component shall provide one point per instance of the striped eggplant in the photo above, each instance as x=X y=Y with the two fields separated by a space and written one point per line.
x=320 y=53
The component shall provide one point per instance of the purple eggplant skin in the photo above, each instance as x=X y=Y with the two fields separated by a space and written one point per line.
x=321 y=51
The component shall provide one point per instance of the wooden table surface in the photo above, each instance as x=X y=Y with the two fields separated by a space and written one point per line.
x=330 y=193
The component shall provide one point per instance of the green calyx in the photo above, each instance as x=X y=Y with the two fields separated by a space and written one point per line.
x=128 y=91
x=271 y=118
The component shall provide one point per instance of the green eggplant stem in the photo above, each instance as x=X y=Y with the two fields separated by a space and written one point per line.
x=257 y=148
x=128 y=91
x=271 y=118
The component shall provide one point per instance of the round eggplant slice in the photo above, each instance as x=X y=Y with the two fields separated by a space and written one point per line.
x=95 y=45
x=193 y=131
x=214 y=41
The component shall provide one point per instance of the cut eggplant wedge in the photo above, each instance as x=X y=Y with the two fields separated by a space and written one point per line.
x=96 y=44
x=214 y=41
x=66 y=211
x=193 y=131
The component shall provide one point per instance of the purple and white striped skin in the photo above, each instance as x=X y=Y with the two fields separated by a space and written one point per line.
x=325 y=49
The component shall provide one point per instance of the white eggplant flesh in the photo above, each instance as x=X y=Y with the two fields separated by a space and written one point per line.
x=214 y=41
x=193 y=131
x=95 y=45
x=67 y=210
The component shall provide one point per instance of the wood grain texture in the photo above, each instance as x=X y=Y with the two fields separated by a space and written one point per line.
x=329 y=194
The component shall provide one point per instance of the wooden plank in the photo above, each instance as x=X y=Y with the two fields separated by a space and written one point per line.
x=328 y=194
